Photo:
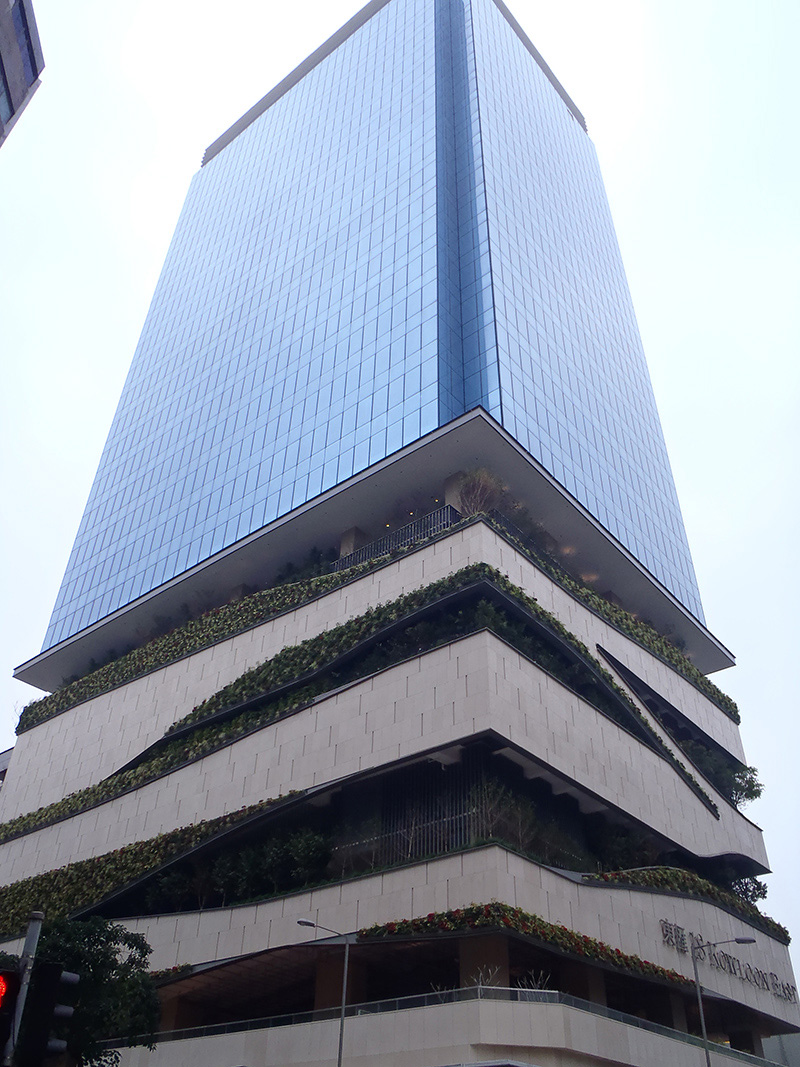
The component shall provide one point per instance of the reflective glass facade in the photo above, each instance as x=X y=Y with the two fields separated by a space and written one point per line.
x=415 y=228
x=574 y=383
x=21 y=61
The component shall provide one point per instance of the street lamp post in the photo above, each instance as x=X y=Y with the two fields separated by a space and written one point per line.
x=319 y=926
x=695 y=949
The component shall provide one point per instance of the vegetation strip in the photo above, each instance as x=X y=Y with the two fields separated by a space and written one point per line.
x=297 y=663
x=209 y=629
x=226 y=621
x=290 y=670
x=678 y=880
x=641 y=632
x=498 y=916
x=316 y=654
x=85 y=882
x=737 y=782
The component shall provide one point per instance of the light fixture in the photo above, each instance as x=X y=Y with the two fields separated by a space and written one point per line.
x=319 y=926
x=695 y=949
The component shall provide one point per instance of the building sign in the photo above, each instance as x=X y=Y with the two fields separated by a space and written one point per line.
x=685 y=942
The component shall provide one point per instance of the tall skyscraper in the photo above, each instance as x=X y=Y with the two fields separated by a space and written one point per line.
x=21 y=61
x=393 y=322
x=399 y=237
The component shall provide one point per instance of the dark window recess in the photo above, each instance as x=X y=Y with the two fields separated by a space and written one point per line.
x=24 y=41
x=6 y=110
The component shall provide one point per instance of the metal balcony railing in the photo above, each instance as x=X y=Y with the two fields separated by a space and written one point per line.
x=458 y=996
x=415 y=531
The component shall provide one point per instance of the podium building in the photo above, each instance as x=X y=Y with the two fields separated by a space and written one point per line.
x=396 y=622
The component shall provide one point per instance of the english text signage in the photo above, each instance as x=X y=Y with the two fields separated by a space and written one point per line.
x=684 y=941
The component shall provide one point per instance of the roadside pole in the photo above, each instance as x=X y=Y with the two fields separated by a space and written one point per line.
x=25 y=970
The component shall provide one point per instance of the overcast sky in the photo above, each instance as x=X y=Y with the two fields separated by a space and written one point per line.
x=692 y=105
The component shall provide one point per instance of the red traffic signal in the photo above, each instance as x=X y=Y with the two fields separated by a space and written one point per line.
x=9 y=989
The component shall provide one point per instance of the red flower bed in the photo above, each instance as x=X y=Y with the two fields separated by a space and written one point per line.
x=496 y=915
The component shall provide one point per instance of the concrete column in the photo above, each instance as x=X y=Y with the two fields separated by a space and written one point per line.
x=351 y=540
x=585 y=982
x=169 y=1014
x=452 y=490
x=484 y=958
x=749 y=1040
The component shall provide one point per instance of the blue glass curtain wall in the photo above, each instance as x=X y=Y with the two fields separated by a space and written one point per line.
x=416 y=228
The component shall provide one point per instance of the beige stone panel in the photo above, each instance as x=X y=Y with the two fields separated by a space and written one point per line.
x=593 y=631
x=624 y=918
x=86 y=743
x=489 y=873
x=489 y=688
x=547 y=1035
x=589 y=748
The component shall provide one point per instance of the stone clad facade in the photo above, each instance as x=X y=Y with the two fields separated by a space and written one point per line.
x=429 y=707
x=381 y=619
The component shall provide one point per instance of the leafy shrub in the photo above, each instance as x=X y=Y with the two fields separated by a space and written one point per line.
x=65 y=890
x=117 y=998
x=675 y=879
x=501 y=816
x=285 y=861
x=499 y=916
x=749 y=889
x=738 y=783
x=299 y=673
x=480 y=492
x=226 y=621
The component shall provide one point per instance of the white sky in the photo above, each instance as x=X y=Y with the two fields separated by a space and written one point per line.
x=693 y=107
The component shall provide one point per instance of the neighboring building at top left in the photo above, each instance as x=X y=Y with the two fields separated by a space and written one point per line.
x=21 y=61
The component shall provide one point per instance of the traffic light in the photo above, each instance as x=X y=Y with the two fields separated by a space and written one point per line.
x=9 y=989
x=43 y=1013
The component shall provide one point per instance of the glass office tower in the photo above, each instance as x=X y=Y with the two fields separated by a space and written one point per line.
x=21 y=61
x=410 y=226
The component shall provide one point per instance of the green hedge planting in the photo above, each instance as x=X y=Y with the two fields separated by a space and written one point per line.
x=85 y=882
x=299 y=673
x=210 y=628
x=678 y=880
x=642 y=632
x=230 y=619
x=498 y=916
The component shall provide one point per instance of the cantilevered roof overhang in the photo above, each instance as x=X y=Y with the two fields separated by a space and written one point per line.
x=471 y=441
